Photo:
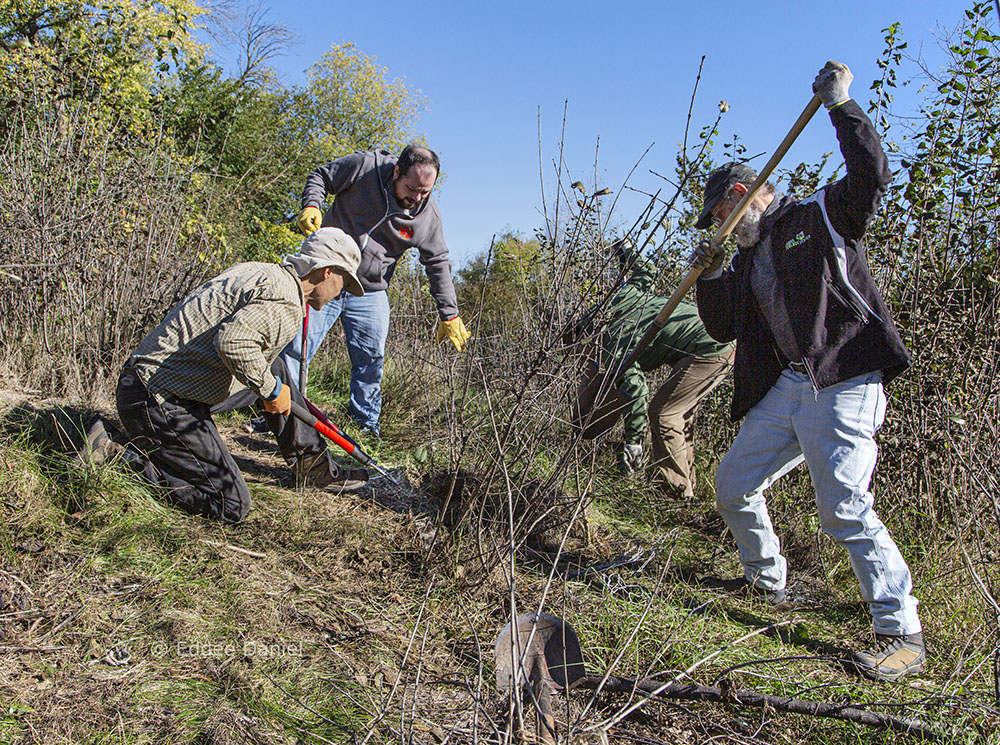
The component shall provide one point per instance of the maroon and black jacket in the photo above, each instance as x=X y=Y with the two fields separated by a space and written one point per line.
x=837 y=315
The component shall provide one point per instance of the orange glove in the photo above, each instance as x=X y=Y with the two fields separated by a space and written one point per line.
x=310 y=220
x=282 y=404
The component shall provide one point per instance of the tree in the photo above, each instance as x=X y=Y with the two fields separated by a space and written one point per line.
x=109 y=55
x=351 y=104
x=262 y=140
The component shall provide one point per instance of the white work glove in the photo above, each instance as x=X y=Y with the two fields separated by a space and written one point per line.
x=709 y=257
x=832 y=84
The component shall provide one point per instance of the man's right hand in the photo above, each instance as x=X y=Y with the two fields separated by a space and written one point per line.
x=310 y=220
x=282 y=404
x=709 y=258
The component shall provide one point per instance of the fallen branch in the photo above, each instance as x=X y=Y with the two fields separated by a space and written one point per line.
x=68 y=620
x=18 y=580
x=21 y=614
x=685 y=691
x=237 y=549
x=31 y=649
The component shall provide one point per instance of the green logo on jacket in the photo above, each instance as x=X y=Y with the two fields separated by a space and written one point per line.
x=798 y=240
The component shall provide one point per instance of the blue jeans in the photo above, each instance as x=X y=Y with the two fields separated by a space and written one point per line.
x=366 y=325
x=833 y=431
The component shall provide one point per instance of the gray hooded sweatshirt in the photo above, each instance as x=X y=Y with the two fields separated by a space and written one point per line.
x=365 y=208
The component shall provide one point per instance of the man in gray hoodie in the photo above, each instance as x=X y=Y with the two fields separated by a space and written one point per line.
x=384 y=203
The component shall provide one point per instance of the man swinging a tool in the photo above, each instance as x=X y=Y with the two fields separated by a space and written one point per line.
x=814 y=344
x=219 y=350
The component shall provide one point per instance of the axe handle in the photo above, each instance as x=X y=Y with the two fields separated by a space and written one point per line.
x=724 y=230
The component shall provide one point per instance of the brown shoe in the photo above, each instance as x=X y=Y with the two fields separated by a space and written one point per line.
x=320 y=472
x=891 y=657
x=98 y=447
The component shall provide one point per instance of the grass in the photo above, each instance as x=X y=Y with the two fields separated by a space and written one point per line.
x=322 y=618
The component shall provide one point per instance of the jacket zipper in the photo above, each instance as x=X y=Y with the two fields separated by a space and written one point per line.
x=859 y=312
x=386 y=216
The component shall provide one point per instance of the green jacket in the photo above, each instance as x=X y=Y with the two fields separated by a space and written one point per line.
x=630 y=312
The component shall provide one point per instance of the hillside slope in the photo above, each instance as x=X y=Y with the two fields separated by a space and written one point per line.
x=347 y=618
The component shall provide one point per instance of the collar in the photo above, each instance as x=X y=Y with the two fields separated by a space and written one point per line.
x=298 y=286
x=771 y=213
x=767 y=219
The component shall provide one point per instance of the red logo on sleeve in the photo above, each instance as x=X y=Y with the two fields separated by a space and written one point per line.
x=406 y=232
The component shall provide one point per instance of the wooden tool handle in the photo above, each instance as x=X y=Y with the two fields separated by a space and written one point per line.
x=724 y=230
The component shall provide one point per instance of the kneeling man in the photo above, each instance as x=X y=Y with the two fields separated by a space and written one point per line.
x=217 y=350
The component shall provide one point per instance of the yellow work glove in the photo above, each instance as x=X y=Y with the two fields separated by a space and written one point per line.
x=310 y=220
x=282 y=403
x=455 y=331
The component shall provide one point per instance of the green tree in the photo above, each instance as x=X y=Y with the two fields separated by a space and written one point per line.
x=262 y=140
x=350 y=104
x=938 y=258
x=109 y=54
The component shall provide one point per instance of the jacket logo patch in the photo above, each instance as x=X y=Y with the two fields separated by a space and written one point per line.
x=798 y=240
x=406 y=232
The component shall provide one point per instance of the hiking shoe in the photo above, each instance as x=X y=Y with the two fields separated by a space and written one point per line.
x=743 y=586
x=891 y=657
x=372 y=433
x=98 y=446
x=320 y=472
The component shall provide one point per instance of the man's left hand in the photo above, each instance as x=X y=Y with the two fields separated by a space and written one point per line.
x=833 y=83
x=455 y=331
x=282 y=403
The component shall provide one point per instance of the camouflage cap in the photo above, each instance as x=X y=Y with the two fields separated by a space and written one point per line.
x=718 y=184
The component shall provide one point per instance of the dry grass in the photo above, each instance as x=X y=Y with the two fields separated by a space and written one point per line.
x=346 y=619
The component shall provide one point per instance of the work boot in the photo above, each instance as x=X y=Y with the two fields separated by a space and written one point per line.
x=320 y=472
x=743 y=586
x=98 y=446
x=370 y=432
x=891 y=657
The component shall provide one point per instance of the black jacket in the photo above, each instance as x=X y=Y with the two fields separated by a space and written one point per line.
x=839 y=320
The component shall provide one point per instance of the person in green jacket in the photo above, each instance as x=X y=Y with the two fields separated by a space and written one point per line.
x=697 y=363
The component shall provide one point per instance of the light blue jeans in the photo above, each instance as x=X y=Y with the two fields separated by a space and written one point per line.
x=834 y=432
x=366 y=325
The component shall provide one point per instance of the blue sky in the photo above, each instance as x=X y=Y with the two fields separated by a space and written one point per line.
x=625 y=71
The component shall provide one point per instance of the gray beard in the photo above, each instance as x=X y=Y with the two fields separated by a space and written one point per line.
x=747 y=230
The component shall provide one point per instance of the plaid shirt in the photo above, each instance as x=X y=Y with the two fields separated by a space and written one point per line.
x=224 y=336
